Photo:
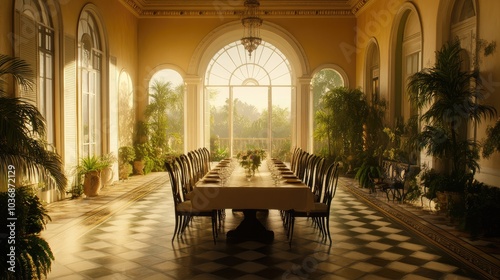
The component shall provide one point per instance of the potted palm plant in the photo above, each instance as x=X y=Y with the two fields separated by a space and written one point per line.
x=452 y=99
x=89 y=169
x=22 y=132
x=23 y=148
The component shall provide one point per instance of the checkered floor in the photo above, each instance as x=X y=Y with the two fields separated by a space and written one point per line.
x=129 y=237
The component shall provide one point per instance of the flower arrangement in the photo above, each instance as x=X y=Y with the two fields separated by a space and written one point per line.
x=251 y=159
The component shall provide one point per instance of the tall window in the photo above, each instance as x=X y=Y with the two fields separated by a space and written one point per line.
x=322 y=82
x=90 y=65
x=249 y=100
x=373 y=73
x=166 y=111
x=37 y=48
x=408 y=63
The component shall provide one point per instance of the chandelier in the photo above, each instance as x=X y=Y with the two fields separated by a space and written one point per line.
x=251 y=23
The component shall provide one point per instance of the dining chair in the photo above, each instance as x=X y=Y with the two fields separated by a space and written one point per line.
x=187 y=177
x=321 y=210
x=318 y=175
x=184 y=211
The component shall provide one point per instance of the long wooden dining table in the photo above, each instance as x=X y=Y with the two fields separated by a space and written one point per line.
x=260 y=193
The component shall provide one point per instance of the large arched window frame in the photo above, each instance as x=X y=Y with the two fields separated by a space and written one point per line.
x=234 y=80
x=35 y=31
x=90 y=65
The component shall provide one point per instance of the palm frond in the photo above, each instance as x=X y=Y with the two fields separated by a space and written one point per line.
x=19 y=69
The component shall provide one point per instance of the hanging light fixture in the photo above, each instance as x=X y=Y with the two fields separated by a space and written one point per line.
x=251 y=23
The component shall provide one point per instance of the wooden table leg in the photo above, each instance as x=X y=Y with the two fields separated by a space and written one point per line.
x=250 y=229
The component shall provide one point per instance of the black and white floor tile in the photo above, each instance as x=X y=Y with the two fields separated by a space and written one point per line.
x=128 y=236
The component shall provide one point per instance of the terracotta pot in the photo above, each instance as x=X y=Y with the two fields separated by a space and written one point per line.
x=139 y=167
x=125 y=170
x=442 y=200
x=92 y=183
x=107 y=175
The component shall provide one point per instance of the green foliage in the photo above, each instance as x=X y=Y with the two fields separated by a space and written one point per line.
x=250 y=127
x=142 y=151
x=126 y=154
x=432 y=181
x=164 y=115
x=482 y=210
x=435 y=181
x=107 y=160
x=33 y=256
x=492 y=142
x=340 y=118
x=90 y=163
x=368 y=171
x=414 y=191
x=22 y=131
x=403 y=143
x=164 y=124
x=452 y=101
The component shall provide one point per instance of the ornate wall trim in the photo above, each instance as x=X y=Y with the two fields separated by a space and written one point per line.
x=232 y=11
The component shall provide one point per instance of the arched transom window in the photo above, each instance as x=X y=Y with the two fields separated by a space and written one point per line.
x=249 y=101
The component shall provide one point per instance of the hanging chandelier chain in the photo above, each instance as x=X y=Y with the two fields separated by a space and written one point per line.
x=251 y=23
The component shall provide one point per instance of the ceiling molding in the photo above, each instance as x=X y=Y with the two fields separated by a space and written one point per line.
x=186 y=9
x=357 y=5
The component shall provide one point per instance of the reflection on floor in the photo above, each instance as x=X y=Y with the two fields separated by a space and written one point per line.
x=125 y=233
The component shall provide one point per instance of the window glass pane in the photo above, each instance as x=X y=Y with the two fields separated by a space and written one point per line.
x=281 y=122
x=240 y=88
x=92 y=119
x=322 y=82
x=166 y=121
x=250 y=118
x=218 y=105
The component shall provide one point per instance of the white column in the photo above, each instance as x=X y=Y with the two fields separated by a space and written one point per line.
x=193 y=114
x=302 y=112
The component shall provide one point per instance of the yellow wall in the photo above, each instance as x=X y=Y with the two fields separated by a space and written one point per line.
x=173 y=41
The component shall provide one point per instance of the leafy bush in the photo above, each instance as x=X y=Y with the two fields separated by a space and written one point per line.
x=33 y=256
x=482 y=210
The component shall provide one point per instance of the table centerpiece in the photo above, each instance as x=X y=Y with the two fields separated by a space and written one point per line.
x=250 y=160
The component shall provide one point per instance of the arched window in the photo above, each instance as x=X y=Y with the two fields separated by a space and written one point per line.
x=36 y=46
x=464 y=28
x=90 y=59
x=373 y=73
x=249 y=100
x=408 y=62
x=323 y=81
x=166 y=111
